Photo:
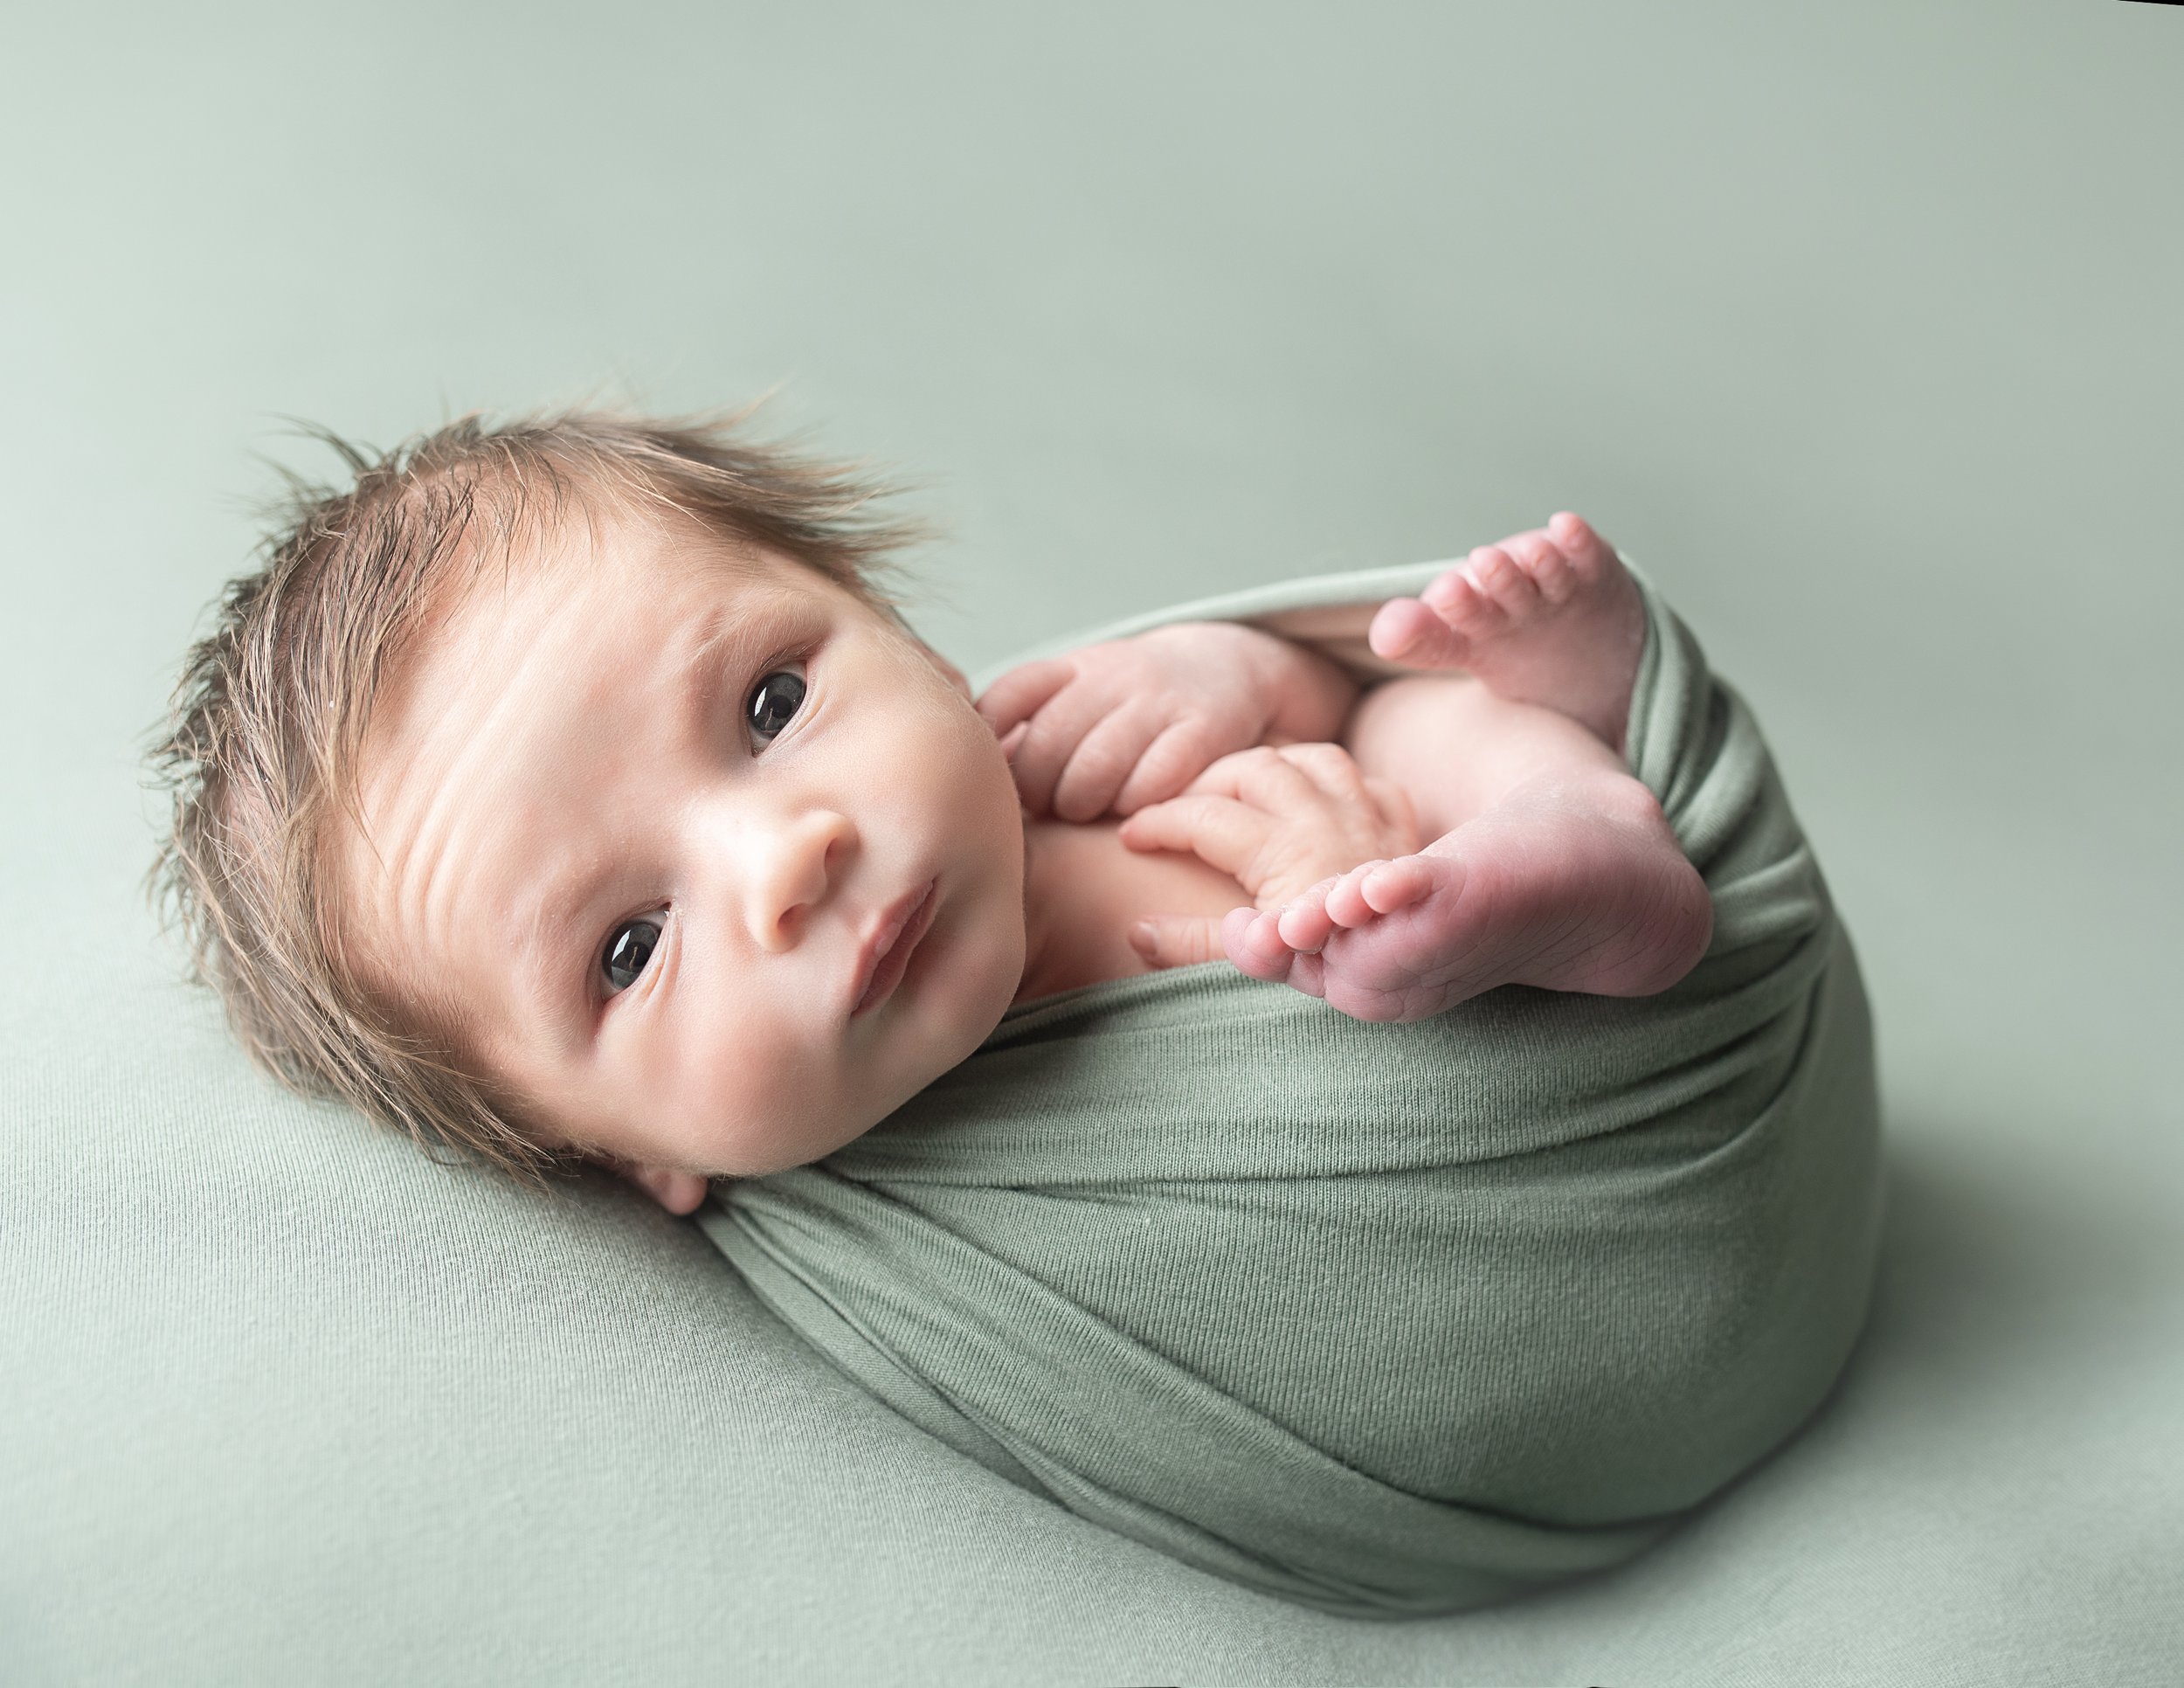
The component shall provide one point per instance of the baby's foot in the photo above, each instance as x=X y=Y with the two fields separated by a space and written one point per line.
x=1550 y=616
x=1566 y=888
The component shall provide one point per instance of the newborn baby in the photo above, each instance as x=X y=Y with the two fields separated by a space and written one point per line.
x=861 y=857
x=693 y=859
x=570 y=790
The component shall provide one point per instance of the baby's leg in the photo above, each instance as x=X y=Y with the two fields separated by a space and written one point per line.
x=1550 y=616
x=1552 y=867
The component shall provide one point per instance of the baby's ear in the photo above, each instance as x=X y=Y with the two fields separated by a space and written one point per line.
x=678 y=1192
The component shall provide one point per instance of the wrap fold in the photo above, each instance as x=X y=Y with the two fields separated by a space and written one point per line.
x=1384 y=1319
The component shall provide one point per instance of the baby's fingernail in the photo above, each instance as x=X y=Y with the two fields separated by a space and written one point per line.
x=1143 y=938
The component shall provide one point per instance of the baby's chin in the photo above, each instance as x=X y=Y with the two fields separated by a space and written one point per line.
x=813 y=1139
x=931 y=1053
x=938 y=1017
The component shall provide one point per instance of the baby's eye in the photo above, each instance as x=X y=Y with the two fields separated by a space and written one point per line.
x=774 y=701
x=627 y=950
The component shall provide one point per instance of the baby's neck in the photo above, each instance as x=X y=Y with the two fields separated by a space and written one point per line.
x=1082 y=889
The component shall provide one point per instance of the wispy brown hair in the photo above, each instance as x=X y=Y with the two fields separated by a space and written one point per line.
x=260 y=749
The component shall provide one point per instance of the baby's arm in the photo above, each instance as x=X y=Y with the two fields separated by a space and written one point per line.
x=1549 y=865
x=1116 y=726
x=1552 y=866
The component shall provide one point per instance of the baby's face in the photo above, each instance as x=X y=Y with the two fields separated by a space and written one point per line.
x=644 y=820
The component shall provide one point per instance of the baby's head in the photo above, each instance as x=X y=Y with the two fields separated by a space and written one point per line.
x=566 y=789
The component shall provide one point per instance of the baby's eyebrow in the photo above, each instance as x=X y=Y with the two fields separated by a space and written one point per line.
x=729 y=641
x=711 y=650
x=543 y=968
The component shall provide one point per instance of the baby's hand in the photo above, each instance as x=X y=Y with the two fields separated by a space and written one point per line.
x=1288 y=825
x=1133 y=721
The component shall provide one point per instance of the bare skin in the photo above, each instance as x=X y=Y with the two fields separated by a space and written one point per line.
x=1548 y=617
x=1548 y=864
x=712 y=866
x=1553 y=866
x=1555 y=869
x=707 y=864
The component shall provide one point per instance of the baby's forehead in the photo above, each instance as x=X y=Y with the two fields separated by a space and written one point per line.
x=666 y=594
x=605 y=552
x=586 y=612
x=615 y=619
x=625 y=625
x=544 y=672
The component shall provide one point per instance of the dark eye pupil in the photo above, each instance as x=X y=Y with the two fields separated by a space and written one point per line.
x=776 y=699
x=628 y=950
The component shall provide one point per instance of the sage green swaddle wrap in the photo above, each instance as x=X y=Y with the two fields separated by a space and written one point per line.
x=1383 y=1318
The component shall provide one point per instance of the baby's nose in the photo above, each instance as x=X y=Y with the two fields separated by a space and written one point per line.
x=796 y=869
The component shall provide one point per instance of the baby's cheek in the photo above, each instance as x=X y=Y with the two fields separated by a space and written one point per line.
x=732 y=1107
x=977 y=976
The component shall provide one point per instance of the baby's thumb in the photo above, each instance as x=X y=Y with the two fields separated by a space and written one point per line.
x=1177 y=940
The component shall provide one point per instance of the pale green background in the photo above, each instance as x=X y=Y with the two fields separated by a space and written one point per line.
x=1860 y=324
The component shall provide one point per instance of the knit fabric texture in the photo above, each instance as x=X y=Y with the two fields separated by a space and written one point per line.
x=1384 y=1319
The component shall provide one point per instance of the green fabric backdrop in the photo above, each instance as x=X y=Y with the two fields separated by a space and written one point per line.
x=1858 y=321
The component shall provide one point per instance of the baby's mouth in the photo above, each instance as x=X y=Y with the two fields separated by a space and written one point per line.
x=886 y=953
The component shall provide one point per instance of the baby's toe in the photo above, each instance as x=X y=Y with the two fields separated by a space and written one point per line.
x=1504 y=580
x=1545 y=563
x=1406 y=630
x=1586 y=552
x=1462 y=602
x=1308 y=973
x=1305 y=925
x=1255 y=945
x=1346 y=904
x=1393 y=885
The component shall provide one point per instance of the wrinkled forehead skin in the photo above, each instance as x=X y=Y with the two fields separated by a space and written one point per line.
x=487 y=610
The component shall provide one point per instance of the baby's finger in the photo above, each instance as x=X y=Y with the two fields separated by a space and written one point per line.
x=1180 y=754
x=1220 y=831
x=1019 y=694
x=1397 y=814
x=1177 y=940
x=1101 y=762
x=1050 y=739
x=1331 y=768
x=1254 y=947
x=1405 y=630
x=1263 y=778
